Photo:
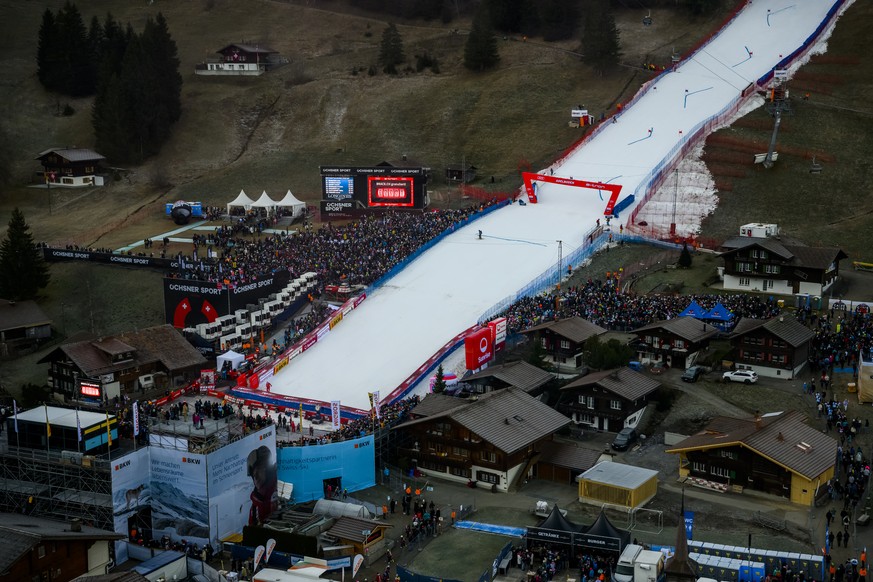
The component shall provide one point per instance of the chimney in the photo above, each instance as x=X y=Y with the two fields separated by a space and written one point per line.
x=76 y=524
x=781 y=318
x=404 y=157
x=758 y=420
x=779 y=437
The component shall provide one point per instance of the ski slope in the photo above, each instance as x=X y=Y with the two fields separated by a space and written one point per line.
x=449 y=287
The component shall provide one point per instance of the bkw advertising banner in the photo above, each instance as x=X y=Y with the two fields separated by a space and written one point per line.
x=242 y=483
x=178 y=495
x=131 y=493
x=347 y=465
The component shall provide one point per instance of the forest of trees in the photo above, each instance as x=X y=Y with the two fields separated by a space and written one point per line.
x=134 y=77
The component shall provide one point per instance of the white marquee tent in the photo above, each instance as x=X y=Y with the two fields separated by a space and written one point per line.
x=231 y=356
x=264 y=202
x=241 y=200
x=290 y=201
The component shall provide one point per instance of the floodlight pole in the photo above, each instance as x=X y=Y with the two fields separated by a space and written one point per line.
x=560 y=261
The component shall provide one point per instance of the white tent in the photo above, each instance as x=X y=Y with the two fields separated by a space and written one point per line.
x=241 y=200
x=290 y=201
x=264 y=202
x=231 y=356
x=333 y=508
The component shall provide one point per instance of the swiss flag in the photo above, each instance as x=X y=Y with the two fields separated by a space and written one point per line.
x=208 y=311
x=181 y=313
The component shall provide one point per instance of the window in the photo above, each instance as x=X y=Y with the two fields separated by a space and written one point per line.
x=544 y=343
x=754 y=253
x=679 y=344
x=432 y=466
x=744 y=282
x=591 y=402
x=763 y=254
x=459 y=452
x=41 y=551
x=698 y=467
x=487 y=477
x=768 y=284
x=460 y=472
x=488 y=456
x=772 y=269
x=719 y=472
x=729 y=455
x=649 y=339
x=780 y=359
x=565 y=344
x=615 y=404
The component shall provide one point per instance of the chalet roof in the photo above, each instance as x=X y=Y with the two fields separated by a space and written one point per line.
x=795 y=255
x=784 y=438
x=509 y=419
x=575 y=329
x=623 y=382
x=72 y=154
x=519 y=374
x=16 y=314
x=687 y=328
x=162 y=344
x=22 y=532
x=436 y=405
x=568 y=455
x=403 y=162
x=787 y=329
x=352 y=528
x=128 y=576
x=249 y=48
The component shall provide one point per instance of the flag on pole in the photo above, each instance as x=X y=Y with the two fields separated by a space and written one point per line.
x=108 y=430
x=78 y=427
x=136 y=418
x=300 y=424
x=376 y=404
x=335 y=414
x=15 y=414
x=48 y=426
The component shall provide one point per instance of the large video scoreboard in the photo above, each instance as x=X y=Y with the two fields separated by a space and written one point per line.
x=347 y=189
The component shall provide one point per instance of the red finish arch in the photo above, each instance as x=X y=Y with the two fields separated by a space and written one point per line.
x=529 y=178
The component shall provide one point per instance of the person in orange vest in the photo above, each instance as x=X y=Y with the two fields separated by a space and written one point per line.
x=862 y=572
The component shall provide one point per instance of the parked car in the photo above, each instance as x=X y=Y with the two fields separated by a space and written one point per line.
x=744 y=376
x=692 y=374
x=624 y=439
x=658 y=368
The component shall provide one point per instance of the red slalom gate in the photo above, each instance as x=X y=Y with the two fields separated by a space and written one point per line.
x=530 y=177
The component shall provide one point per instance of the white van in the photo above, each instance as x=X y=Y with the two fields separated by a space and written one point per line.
x=624 y=568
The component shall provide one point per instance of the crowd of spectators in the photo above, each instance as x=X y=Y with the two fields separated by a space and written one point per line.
x=840 y=336
x=545 y=561
x=354 y=254
x=604 y=303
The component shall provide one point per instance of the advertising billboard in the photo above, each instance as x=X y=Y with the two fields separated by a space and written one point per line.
x=180 y=508
x=347 y=465
x=346 y=189
x=131 y=493
x=478 y=348
x=241 y=480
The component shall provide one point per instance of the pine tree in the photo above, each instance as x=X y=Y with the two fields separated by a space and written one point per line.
x=439 y=383
x=391 y=49
x=480 y=52
x=512 y=15
x=23 y=272
x=600 y=37
x=74 y=68
x=47 y=52
x=557 y=19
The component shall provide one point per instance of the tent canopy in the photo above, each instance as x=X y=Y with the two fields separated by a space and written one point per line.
x=693 y=310
x=719 y=313
x=241 y=200
x=556 y=521
x=290 y=201
x=264 y=201
x=603 y=528
x=231 y=356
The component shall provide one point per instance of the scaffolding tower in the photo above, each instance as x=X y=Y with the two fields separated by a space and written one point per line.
x=56 y=484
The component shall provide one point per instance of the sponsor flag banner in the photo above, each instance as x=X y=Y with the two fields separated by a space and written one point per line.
x=259 y=553
x=376 y=399
x=271 y=543
x=300 y=424
x=48 y=426
x=359 y=560
x=335 y=414
x=136 y=418
x=478 y=348
x=15 y=414
x=689 y=525
x=78 y=427
x=108 y=430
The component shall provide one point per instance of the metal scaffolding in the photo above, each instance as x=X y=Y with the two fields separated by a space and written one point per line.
x=57 y=484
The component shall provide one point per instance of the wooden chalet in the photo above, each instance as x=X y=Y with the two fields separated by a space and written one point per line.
x=776 y=453
x=608 y=400
x=767 y=265
x=519 y=374
x=675 y=342
x=70 y=167
x=492 y=440
x=22 y=324
x=240 y=59
x=564 y=341
x=460 y=173
x=116 y=363
x=778 y=347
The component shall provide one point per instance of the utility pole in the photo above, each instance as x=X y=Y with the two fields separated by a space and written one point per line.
x=560 y=261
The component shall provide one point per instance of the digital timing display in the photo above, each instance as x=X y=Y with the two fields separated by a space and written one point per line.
x=339 y=187
x=390 y=191
x=90 y=390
